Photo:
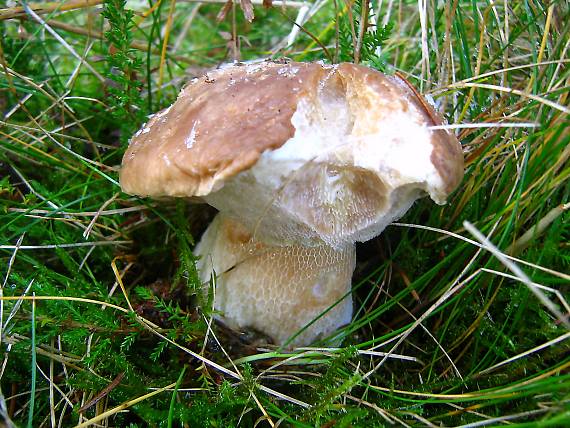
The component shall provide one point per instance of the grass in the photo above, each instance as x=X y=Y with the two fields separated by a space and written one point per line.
x=101 y=321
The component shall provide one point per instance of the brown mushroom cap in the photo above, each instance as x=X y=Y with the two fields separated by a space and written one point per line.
x=219 y=126
x=300 y=152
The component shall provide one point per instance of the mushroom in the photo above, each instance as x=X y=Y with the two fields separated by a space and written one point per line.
x=302 y=160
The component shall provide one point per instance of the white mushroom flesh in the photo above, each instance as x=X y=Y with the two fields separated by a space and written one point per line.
x=346 y=173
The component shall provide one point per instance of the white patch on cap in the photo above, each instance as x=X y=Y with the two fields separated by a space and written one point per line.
x=163 y=112
x=431 y=101
x=288 y=71
x=191 y=139
x=139 y=132
x=255 y=67
x=166 y=159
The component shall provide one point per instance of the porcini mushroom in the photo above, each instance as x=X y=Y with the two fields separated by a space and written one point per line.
x=302 y=160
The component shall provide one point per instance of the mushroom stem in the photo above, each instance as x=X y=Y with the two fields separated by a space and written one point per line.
x=281 y=291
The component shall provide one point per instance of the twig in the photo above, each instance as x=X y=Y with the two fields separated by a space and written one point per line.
x=54 y=246
x=364 y=12
x=141 y=46
x=103 y=393
x=43 y=8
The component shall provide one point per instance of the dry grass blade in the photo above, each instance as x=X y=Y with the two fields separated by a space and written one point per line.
x=526 y=353
x=66 y=298
x=167 y=29
x=520 y=93
x=10 y=264
x=486 y=125
x=505 y=419
x=61 y=40
x=123 y=406
x=472 y=242
x=558 y=294
x=534 y=232
x=519 y=273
